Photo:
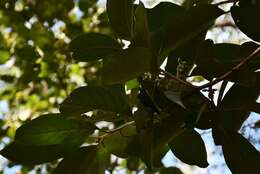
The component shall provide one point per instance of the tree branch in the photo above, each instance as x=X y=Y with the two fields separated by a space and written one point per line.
x=175 y=78
x=237 y=67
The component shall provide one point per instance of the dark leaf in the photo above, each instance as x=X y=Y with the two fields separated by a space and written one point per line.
x=93 y=46
x=229 y=116
x=214 y=60
x=240 y=155
x=181 y=31
x=33 y=155
x=170 y=170
x=87 y=98
x=89 y=159
x=54 y=129
x=117 y=142
x=133 y=163
x=249 y=27
x=144 y=125
x=141 y=36
x=164 y=13
x=126 y=65
x=192 y=155
x=120 y=14
x=84 y=5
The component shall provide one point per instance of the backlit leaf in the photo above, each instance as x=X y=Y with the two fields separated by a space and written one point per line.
x=54 y=129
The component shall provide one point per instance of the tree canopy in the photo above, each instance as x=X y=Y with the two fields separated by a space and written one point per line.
x=84 y=83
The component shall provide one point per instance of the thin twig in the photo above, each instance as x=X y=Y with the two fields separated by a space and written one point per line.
x=235 y=68
x=175 y=78
x=115 y=130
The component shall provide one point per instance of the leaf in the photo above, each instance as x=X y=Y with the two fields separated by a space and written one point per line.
x=236 y=97
x=170 y=170
x=33 y=155
x=124 y=136
x=133 y=163
x=214 y=60
x=192 y=155
x=240 y=155
x=4 y=56
x=249 y=27
x=93 y=46
x=120 y=14
x=166 y=130
x=54 y=129
x=89 y=159
x=144 y=125
x=179 y=32
x=174 y=96
x=87 y=98
x=125 y=65
x=164 y=13
x=84 y=5
x=141 y=36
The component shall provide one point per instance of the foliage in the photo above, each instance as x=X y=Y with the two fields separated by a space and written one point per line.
x=115 y=56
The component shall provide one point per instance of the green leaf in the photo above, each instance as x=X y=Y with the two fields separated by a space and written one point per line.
x=33 y=155
x=120 y=14
x=170 y=170
x=93 y=46
x=4 y=56
x=54 y=129
x=89 y=159
x=141 y=36
x=190 y=148
x=240 y=155
x=126 y=65
x=250 y=27
x=87 y=98
x=117 y=142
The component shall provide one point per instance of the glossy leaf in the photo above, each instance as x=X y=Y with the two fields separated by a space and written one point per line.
x=54 y=129
x=240 y=155
x=192 y=155
x=120 y=14
x=126 y=65
x=93 y=46
x=87 y=98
